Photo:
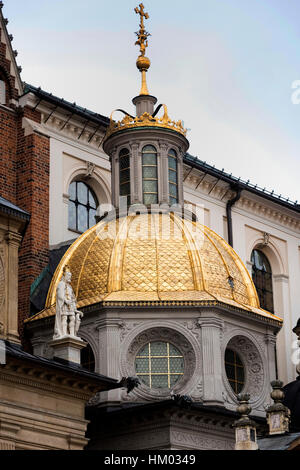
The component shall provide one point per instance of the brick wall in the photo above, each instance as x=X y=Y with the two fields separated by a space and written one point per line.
x=24 y=180
x=33 y=160
x=8 y=155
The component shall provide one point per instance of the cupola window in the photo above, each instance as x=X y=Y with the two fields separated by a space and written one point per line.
x=2 y=92
x=173 y=177
x=159 y=365
x=124 y=163
x=150 y=180
x=82 y=206
x=234 y=370
x=262 y=278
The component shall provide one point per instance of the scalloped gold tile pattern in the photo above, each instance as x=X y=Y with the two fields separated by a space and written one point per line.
x=154 y=257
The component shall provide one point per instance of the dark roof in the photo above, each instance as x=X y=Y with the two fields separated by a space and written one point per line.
x=10 y=209
x=235 y=182
x=280 y=442
x=16 y=351
x=133 y=408
x=73 y=108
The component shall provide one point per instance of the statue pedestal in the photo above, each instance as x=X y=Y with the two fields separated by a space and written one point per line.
x=68 y=348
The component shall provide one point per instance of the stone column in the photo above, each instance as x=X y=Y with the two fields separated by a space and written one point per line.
x=135 y=175
x=13 y=241
x=286 y=370
x=164 y=174
x=211 y=329
x=109 y=353
x=270 y=340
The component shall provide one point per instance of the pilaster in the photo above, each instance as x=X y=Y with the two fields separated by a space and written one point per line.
x=284 y=342
x=136 y=190
x=211 y=329
x=270 y=340
x=164 y=181
x=109 y=352
x=13 y=241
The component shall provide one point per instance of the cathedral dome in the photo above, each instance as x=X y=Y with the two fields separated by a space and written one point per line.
x=154 y=259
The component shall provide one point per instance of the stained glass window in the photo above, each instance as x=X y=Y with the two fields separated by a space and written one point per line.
x=234 y=370
x=149 y=168
x=159 y=365
x=173 y=177
x=124 y=163
x=82 y=206
x=262 y=278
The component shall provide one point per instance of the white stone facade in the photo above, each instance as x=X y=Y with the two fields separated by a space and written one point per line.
x=75 y=156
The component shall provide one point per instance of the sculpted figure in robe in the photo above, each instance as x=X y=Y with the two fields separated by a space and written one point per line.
x=68 y=318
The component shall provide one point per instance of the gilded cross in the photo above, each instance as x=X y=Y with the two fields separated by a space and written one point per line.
x=142 y=34
x=140 y=11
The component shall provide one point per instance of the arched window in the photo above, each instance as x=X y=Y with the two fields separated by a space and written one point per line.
x=87 y=358
x=235 y=370
x=173 y=177
x=150 y=182
x=2 y=92
x=262 y=278
x=82 y=206
x=124 y=163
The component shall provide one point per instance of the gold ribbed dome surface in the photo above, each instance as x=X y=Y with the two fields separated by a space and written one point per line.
x=154 y=258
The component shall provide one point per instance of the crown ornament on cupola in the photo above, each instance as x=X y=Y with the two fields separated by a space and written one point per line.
x=144 y=102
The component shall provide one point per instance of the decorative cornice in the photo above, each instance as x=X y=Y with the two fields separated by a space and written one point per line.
x=58 y=124
x=210 y=322
x=19 y=372
x=224 y=193
x=109 y=322
x=46 y=386
x=13 y=238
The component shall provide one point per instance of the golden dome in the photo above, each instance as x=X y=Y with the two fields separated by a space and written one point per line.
x=153 y=259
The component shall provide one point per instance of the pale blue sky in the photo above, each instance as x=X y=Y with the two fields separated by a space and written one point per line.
x=225 y=67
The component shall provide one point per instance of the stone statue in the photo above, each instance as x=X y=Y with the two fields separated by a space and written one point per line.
x=68 y=318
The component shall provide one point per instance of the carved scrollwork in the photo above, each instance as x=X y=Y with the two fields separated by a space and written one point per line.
x=125 y=328
x=254 y=367
x=193 y=327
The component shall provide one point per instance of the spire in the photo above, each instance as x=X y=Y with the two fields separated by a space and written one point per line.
x=142 y=63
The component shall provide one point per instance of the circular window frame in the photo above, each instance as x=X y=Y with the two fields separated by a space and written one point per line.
x=166 y=373
x=251 y=357
x=171 y=336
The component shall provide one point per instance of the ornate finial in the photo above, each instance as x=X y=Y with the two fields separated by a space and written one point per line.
x=296 y=330
x=142 y=63
x=245 y=428
x=278 y=415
